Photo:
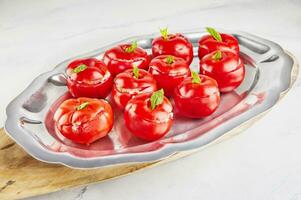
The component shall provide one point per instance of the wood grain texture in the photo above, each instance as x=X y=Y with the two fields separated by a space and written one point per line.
x=23 y=176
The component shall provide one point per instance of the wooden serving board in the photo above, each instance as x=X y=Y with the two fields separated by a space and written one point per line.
x=23 y=176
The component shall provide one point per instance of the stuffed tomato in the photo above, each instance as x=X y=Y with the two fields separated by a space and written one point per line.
x=217 y=41
x=169 y=71
x=149 y=116
x=84 y=120
x=225 y=67
x=172 y=44
x=89 y=78
x=197 y=96
x=125 y=56
x=130 y=83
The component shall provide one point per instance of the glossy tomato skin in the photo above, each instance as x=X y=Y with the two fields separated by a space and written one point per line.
x=86 y=125
x=95 y=82
x=229 y=72
x=126 y=86
x=146 y=123
x=175 y=44
x=118 y=60
x=197 y=100
x=208 y=44
x=168 y=76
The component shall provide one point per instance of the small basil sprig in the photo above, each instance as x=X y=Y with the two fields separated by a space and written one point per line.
x=169 y=59
x=214 y=34
x=132 y=48
x=164 y=33
x=217 y=55
x=82 y=106
x=157 y=98
x=136 y=71
x=195 y=77
x=80 y=68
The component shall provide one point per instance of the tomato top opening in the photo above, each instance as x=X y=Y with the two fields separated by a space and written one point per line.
x=228 y=42
x=126 y=82
x=174 y=36
x=93 y=71
x=142 y=106
x=229 y=62
x=207 y=87
x=79 y=116
x=178 y=67
x=119 y=53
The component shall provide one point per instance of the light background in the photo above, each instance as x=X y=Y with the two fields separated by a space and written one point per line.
x=262 y=163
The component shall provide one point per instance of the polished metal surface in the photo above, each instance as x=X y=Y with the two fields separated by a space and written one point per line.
x=30 y=124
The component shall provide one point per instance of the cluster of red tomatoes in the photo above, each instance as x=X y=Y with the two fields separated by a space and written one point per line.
x=141 y=85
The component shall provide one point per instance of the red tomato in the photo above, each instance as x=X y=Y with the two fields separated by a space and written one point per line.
x=228 y=70
x=217 y=41
x=84 y=120
x=169 y=71
x=197 y=96
x=130 y=83
x=125 y=56
x=173 y=44
x=148 y=122
x=89 y=78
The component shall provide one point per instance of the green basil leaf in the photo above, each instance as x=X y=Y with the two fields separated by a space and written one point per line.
x=80 y=68
x=214 y=33
x=195 y=77
x=157 y=98
x=82 y=106
x=132 y=48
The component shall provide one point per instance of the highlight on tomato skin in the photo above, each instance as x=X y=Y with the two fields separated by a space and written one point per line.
x=169 y=71
x=217 y=41
x=84 y=120
x=172 y=44
x=149 y=116
x=125 y=56
x=130 y=83
x=228 y=70
x=89 y=77
x=197 y=96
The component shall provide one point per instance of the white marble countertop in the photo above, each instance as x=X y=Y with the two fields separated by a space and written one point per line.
x=261 y=163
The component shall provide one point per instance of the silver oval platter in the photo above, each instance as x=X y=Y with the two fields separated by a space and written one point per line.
x=270 y=73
